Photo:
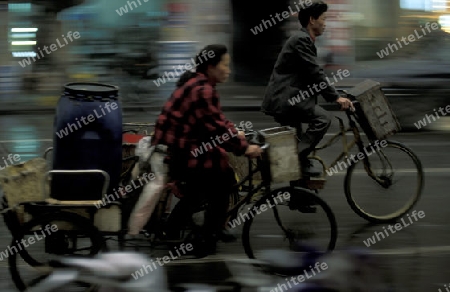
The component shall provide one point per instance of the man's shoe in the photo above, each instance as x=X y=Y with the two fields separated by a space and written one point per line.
x=311 y=167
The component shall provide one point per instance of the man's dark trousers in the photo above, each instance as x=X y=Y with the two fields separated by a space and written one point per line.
x=318 y=120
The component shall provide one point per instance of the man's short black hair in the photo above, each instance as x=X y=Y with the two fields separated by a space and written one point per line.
x=316 y=9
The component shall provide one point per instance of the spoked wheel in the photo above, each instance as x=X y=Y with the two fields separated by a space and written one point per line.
x=386 y=184
x=289 y=218
x=44 y=238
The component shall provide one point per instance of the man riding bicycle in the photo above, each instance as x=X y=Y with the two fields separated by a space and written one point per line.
x=296 y=82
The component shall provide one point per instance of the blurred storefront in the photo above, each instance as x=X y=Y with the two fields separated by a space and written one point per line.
x=380 y=22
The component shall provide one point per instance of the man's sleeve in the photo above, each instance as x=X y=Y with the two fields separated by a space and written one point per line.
x=209 y=112
x=315 y=73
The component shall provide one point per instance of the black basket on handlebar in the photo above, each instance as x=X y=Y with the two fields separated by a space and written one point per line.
x=373 y=112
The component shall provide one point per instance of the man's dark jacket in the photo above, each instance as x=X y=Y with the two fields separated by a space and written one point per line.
x=295 y=69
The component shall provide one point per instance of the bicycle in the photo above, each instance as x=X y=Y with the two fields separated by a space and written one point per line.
x=378 y=163
x=304 y=204
x=82 y=231
x=301 y=201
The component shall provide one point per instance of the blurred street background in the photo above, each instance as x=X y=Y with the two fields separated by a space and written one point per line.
x=133 y=43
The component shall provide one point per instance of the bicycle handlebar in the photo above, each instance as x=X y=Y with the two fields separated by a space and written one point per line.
x=255 y=141
x=352 y=110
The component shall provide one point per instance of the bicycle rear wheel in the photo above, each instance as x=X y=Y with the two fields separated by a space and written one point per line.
x=54 y=234
x=393 y=189
x=302 y=219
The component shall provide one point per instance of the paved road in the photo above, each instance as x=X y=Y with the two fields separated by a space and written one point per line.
x=417 y=258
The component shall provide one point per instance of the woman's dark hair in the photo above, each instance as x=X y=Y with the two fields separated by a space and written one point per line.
x=209 y=55
x=316 y=9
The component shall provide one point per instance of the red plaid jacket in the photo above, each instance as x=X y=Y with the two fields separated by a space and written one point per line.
x=194 y=128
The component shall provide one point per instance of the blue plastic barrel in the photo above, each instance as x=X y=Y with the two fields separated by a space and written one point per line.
x=87 y=135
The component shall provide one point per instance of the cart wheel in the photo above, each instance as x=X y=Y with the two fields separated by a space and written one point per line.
x=43 y=238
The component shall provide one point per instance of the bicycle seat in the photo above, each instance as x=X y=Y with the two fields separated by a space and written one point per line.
x=118 y=266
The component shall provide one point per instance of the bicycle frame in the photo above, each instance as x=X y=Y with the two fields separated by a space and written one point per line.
x=347 y=146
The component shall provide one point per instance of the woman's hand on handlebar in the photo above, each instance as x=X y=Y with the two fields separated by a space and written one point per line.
x=253 y=151
x=241 y=134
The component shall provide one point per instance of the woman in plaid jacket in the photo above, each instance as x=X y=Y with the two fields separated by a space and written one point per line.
x=197 y=135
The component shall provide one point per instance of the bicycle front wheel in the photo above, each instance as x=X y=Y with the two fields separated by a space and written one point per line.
x=385 y=184
x=289 y=218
